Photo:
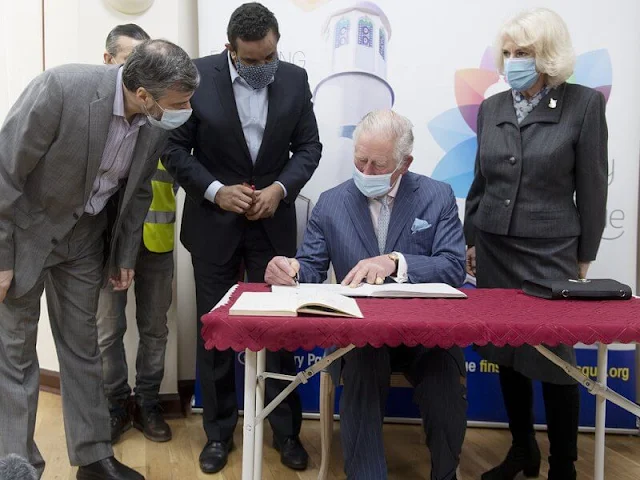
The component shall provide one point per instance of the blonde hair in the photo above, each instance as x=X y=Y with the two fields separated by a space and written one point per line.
x=545 y=34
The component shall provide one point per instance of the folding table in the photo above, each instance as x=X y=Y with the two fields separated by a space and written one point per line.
x=498 y=316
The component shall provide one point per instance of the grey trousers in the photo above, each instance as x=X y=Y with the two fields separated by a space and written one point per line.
x=153 y=288
x=75 y=273
x=439 y=393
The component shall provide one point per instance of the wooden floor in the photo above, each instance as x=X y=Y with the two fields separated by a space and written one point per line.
x=407 y=458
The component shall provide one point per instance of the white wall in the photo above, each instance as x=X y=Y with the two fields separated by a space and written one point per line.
x=75 y=32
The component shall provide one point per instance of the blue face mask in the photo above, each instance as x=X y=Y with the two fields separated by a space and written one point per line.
x=521 y=73
x=373 y=186
x=170 y=118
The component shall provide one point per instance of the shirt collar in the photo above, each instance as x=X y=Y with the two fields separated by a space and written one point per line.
x=394 y=191
x=118 y=103
x=519 y=97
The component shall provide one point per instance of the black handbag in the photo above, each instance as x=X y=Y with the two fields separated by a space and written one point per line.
x=583 y=289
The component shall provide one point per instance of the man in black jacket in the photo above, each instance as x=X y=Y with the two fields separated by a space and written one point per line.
x=255 y=145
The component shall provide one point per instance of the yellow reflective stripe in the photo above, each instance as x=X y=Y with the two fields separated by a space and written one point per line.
x=158 y=230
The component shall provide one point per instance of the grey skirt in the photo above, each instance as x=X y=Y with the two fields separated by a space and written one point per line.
x=505 y=262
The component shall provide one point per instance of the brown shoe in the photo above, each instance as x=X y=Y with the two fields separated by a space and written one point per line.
x=150 y=421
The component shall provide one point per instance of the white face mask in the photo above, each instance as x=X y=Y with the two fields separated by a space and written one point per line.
x=170 y=118
x=373 y=186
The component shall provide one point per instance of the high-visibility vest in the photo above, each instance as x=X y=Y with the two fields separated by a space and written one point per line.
x=159 y=225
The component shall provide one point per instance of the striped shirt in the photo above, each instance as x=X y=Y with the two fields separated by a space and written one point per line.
x=117 y=154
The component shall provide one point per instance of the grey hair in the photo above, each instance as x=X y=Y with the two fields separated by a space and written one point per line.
x=392 y=125
x=130 y=30
x=159 y=65
x=14 y=467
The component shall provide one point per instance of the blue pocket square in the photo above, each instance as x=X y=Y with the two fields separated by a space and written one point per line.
x=419 y=225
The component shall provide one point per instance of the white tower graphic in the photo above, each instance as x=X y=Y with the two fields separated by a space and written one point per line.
x=356 y=39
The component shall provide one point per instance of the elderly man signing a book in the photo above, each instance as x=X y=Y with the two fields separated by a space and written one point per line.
x=388 y=224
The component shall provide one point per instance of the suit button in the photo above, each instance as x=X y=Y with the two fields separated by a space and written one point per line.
x=507 y=202
x=512 y=160
x=54 y=241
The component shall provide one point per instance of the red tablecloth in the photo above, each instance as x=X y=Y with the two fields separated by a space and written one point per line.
x=501 y=317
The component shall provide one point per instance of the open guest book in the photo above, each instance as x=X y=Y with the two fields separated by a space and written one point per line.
x=288 y=303
x=387 y=290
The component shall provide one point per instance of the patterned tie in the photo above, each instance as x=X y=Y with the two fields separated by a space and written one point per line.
x=383 y=223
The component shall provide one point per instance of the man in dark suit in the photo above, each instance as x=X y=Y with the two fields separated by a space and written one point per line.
x=388 y=224
x=250 y=112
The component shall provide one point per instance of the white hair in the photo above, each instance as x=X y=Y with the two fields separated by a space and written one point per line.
x=546 y=35
x=391 y=125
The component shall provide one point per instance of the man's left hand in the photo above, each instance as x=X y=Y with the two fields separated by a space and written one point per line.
x=266 y=204
x=122 y=281
x=371 y=270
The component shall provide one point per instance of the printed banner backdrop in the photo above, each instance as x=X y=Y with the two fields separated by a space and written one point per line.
x=433 y=62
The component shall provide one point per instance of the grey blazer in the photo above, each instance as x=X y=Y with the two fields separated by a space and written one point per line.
x=51 y=146
x=526 y=175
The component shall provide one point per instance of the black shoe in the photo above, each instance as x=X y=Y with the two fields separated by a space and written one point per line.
x=521 y=458
x=214 y=455
x=150 y=421
x=120 y=422
x=292 y=453
x=107 y=469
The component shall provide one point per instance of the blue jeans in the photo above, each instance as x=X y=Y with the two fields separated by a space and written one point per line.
x=153 y=289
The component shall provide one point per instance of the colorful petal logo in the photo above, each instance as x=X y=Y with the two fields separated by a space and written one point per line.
x=455 y=130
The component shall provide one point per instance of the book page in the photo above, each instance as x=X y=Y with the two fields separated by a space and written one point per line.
x=390 y=290
x=309 y=299
x=364 y=290
x=265 y=304
x=419 y=290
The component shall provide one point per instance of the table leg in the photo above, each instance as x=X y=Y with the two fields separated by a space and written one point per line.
x=601 y=410
x=249 y=440
x=259 y=425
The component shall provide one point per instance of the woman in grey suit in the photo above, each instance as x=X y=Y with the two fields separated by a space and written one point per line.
x=536 y=209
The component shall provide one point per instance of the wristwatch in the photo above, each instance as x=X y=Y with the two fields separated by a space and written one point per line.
x=396 y=259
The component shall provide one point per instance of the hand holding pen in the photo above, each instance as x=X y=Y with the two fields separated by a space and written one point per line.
x=282 y=271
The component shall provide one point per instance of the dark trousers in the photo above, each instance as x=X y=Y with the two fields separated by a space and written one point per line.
x=153 y=287
x=439 y=393
x=562 y=406
x=215 y=367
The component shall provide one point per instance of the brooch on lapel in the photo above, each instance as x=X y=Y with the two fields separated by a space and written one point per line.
x=553 y=103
